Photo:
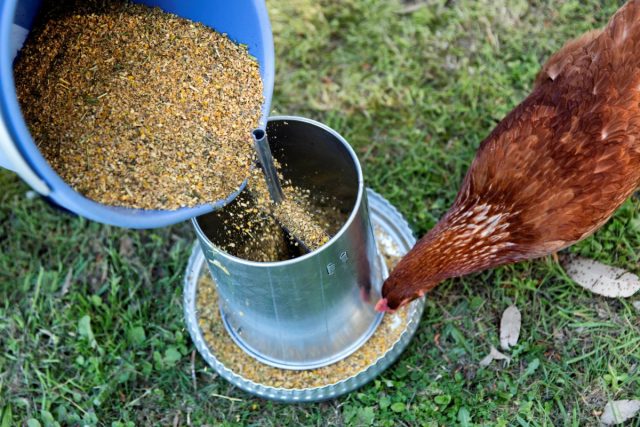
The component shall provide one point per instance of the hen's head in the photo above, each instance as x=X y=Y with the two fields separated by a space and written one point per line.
x=468 y=239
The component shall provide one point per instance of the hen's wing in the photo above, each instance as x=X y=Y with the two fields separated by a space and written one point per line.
x=563 y=161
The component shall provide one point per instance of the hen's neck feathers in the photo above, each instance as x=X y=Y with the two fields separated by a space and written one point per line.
x=472 y=237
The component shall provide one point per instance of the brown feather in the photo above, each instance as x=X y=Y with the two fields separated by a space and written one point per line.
x=553 y=170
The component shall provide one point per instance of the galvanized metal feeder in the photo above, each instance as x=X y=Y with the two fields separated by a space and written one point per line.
x=383 y=217
x=317 y=309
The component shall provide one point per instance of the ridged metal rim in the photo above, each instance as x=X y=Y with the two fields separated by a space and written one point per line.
x=382 y=214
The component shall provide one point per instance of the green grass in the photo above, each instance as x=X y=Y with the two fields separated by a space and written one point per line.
x=91 y=328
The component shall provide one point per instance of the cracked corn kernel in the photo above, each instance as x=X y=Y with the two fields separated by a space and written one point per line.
x=235 y=359
x=139 y=108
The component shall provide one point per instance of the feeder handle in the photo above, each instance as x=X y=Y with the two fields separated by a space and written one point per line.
x=261 y=145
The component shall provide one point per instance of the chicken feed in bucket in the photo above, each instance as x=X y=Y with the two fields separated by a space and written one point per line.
x=130 y=114
x=139 y=108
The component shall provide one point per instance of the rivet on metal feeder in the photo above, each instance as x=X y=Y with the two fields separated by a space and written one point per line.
x=318 y=308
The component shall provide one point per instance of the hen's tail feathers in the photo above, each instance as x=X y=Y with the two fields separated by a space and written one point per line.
x=622 y=33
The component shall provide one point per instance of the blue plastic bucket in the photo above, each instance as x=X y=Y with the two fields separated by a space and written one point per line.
x=244 y=21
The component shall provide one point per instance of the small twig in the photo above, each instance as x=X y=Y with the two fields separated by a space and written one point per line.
x=232 y=399
x=436 y=340
x=66 y=285
x=74 y=404
x=193 y=370
x=134 y=401
x=410 y=8
x=176 y=420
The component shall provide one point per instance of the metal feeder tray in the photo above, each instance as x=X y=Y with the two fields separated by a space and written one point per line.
x=384 y=216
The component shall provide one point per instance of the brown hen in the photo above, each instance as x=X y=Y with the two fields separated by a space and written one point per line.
x=552 y=172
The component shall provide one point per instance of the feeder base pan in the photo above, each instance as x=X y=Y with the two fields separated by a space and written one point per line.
x=394 y=239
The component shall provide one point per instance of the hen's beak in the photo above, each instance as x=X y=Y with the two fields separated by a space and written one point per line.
x=383 y=307
x=383 y=304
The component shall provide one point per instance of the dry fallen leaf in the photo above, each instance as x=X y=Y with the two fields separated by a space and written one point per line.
x=602 y=279
x=618 y=411
x=494 y=354
x=510 y=327
x=66 y=285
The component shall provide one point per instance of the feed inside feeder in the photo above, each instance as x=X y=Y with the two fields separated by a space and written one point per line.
x=297 y=222
x=310 y=310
